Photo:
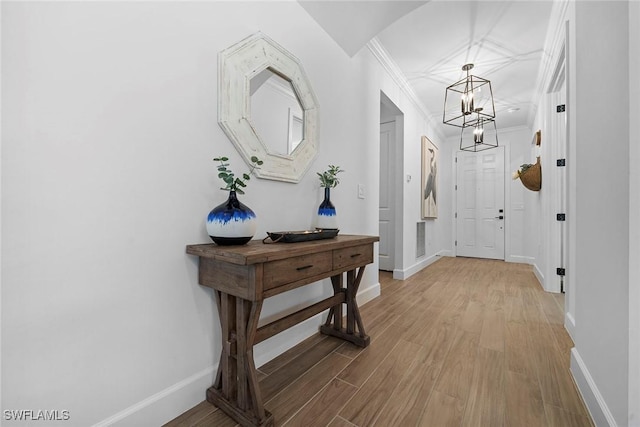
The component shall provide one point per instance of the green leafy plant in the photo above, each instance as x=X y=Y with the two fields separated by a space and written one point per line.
x=233 y=182
x=523 y=169
x=329 y=178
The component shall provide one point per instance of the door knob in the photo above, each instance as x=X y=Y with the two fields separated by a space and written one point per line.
x=500 y=217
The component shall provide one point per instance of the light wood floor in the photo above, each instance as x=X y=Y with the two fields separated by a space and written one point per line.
x=465 y=342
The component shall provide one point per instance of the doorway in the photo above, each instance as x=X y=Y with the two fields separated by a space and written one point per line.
x=480 y=199
x=390 y=199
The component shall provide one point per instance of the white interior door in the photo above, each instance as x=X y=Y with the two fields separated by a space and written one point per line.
x=480 y=204
x=386 y=206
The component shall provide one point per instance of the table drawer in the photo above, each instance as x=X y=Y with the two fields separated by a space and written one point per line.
x=277 y=273
x=356 y=255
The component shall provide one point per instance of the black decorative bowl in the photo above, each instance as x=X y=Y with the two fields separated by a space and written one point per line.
x=300 y=236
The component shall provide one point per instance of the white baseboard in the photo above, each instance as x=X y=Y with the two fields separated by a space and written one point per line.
x=366 y=295
x=420 y=265
x=520 y=259
x=445 y=252
x=539 y=275
x=597 y=407
x=167 y=404
x=570 y=325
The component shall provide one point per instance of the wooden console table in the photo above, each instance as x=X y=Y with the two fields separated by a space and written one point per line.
x=243 y=276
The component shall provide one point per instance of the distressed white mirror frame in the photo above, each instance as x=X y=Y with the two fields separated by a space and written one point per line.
x=237 y=65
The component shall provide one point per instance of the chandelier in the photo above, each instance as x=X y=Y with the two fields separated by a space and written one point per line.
x=468 y=104
x=482 y=135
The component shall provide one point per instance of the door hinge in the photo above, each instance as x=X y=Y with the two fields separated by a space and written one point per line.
x=456 y=215
x=561 y=217
x=561 y=108
x=456 y=187
x=561 y=162
x=456 y=243
x=456 y=160
x=560 y=271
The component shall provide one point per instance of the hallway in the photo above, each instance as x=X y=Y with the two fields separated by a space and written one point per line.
x=464 y=342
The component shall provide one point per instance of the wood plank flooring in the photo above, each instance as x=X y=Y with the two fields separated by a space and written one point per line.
x=464 y=342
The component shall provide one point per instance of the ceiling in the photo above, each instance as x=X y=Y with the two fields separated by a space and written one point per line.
x=431 y=41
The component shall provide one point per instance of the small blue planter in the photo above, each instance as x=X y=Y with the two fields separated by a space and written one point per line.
x=231 y=223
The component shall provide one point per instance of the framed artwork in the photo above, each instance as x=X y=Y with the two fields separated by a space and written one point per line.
x=429 y=188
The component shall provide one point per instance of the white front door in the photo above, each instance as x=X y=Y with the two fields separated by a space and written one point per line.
x=386 y=206
x=480 y=204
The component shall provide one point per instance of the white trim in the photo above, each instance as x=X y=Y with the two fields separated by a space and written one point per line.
x=570 y=325
x=366 y=295
x=454 y=202
x=539 y=275
x=521 y=259
x=399 y=274
x=596 y=405
x=390 y=66
x=555 y=40
x=164 y=405
x=506 y=200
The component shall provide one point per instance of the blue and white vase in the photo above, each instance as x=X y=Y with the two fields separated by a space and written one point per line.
x=231 y=223
x=326 y=218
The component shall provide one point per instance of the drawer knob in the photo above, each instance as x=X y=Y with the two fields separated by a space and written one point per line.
x=304 y=267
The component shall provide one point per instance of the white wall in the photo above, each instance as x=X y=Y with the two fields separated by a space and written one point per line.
x=108 y=132
x=634 y=215
x=438 y=237
x=600 y=140
x=602 y=192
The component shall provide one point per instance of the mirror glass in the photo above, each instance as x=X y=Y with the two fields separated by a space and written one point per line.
x=276 y=112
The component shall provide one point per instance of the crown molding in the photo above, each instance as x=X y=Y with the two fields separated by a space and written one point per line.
x=554 y=46
x=393 y=70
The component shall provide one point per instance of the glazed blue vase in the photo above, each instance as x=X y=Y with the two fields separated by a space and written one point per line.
x=326 y=218
x=231 y=223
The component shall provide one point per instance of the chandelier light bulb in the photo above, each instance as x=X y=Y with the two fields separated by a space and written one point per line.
x=467 y=103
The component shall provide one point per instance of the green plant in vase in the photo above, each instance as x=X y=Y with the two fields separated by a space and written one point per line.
x=329 y=178
x=232 y=223
x=233 y=182
x=327 y=218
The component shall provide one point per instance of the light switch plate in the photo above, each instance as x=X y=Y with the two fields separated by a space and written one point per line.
x=360 y=191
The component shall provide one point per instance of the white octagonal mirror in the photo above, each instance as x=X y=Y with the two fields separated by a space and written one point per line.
x=267 y=108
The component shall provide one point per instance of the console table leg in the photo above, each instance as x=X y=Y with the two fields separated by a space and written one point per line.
x=355 y=284
x=350 y=297
x=336 y=282
x=228 y=323
x=242 y=317
x=353 y=313
x=252 y=376
x=236 y=390
x=218 y=381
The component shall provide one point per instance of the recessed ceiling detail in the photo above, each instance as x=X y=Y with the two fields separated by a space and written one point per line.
x=428 y=41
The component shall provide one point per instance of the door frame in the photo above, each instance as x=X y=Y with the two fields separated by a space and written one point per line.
x=398 y=214
x=507 y=202
x=392 y=208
